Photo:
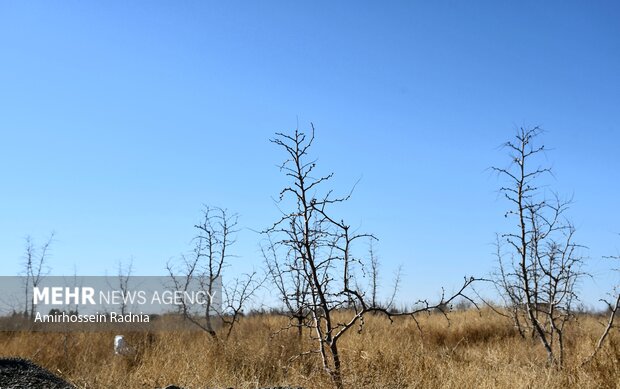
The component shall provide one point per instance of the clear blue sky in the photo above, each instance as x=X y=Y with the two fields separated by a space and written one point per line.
x=118 y=120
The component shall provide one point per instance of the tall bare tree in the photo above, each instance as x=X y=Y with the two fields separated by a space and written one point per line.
x=309 y=241
x=539 y=277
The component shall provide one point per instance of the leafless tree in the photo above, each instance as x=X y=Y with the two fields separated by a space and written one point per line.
x=509 y=289
x=237 y=295
x=613 y=306
x=374 y=263
x=370 y=281
x=204 y=266
x=292 y=286
x=124 y=276
x=544 y=266
x=35 y=268
x=318 y=247
x=374 y=273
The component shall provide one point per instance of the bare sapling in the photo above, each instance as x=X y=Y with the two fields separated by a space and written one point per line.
x=215 y=235
x=35 y=268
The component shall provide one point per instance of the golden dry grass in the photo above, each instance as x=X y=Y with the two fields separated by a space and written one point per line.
x=478 y=350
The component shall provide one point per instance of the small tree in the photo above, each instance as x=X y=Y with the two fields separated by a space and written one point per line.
x=374 y=283
x=210 y=255
x=237 y=295
x=613 y=305
x=291 y=285
x=124 y=276
x=374 y=274
x=35 y=268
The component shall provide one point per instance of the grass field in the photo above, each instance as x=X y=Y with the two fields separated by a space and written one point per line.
x=477 y=350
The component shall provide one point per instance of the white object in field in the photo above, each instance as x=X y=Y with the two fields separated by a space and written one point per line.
x=120 y=346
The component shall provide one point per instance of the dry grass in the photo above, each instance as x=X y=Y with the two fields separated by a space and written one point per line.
x=475 y=351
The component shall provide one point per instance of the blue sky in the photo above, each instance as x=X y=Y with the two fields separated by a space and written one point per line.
x=119 y=120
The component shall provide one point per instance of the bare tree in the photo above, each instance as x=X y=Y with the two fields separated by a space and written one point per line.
x=210 y=256
x=613 y=306
x=543 y=267
x=374 y=273
x=237 y=295
x=318 y=247
x=509 y=289
x=291 y=284
x=375 y=279
x=124 y=276
x=35 y=268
